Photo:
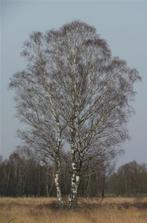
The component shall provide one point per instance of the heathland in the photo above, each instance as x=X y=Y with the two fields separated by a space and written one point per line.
x=93 y=210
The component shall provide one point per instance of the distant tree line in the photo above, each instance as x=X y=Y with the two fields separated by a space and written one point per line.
x=130 y=179
x=23 y=174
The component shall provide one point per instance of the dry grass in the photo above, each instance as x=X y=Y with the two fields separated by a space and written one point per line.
x=40 y=210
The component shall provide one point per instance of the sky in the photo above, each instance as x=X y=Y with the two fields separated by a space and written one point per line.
x=122 y=23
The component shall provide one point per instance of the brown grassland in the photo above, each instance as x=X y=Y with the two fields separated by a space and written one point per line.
x=43 y=210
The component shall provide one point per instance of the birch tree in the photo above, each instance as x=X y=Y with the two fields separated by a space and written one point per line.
x=37 y=106
x=100 y=88
x=74 y=92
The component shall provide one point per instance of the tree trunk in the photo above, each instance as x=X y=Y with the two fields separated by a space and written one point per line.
x=57 y=184
x=75 y=179
x=103 y=187
x=58 y=190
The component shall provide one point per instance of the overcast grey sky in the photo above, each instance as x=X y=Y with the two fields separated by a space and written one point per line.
x=122 y=23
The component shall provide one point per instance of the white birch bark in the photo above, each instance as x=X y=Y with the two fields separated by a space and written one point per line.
x=75 y=178
x=58 y=189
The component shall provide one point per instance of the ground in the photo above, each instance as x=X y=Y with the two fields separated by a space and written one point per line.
x=43 y=210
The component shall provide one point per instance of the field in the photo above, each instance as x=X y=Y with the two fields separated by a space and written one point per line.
x=43 y=210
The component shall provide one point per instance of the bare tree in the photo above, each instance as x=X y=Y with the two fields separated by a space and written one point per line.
x=37 y=106
x=99 y=88
x=73 y=92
